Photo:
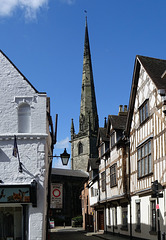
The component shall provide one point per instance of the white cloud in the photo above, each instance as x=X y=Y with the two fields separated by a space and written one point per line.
x=69 y=2
x=62 y=144
x=30 y=7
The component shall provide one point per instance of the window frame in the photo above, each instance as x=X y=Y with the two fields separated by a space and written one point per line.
x=103 y=181
x=125 y=218
x=24 y=118
x=113 y=139
x=113 y=175
x=144 y=159
x=80 y=148
x=138 y=216
x=144 y=111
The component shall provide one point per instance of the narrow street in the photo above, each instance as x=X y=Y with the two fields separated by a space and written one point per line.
x=79 y=234
x=71 y=235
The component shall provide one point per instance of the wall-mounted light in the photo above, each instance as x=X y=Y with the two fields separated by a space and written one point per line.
x=64 y=157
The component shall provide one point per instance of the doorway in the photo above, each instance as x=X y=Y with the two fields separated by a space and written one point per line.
x=11 y=223
x=100 y=220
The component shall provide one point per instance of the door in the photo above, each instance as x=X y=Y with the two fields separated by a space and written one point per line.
x=100 y=219
x=11 y=222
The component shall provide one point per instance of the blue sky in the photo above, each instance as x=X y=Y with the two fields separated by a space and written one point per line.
x=45 y=40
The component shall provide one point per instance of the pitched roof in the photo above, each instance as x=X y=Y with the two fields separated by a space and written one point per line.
x=93 y=163
x=20 y=72
x=102 y=133
x=117 y=122
x=155 y=69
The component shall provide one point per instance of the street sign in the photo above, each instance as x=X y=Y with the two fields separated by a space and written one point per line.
x=56 y=195
x=157 y=206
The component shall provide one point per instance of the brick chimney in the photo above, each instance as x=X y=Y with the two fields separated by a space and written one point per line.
x=122 y=111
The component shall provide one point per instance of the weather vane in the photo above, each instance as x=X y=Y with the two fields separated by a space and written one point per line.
x=85 y=12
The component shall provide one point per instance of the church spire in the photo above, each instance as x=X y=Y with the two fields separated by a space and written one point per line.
x=88 y=109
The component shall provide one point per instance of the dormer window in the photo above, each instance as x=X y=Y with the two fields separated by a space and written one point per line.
x=80 y=148
x=24 y=118
x=144 y=111
x=112 y=139
x=102 y=149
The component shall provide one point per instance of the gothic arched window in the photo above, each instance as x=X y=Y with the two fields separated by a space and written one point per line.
x=24 y=118
x=80 y=148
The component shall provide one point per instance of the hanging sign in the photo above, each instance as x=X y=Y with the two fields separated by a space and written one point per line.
x=15 y=194
x=56 y=195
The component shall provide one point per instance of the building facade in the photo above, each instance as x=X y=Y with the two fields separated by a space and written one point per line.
x=146 y=128
x=25 y=144
x=132 y=176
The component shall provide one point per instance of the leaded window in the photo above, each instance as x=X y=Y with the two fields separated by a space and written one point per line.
x=144 y=111
x=113 y=175
x=144 y=159
x=103 y=183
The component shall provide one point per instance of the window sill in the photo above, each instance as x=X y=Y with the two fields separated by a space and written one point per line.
x=152 y=232
x=124 y=228
x=113 y=186
x=144 y=121
x=147 y=175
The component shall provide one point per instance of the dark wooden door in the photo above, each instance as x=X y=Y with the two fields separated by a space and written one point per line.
x=100 y=220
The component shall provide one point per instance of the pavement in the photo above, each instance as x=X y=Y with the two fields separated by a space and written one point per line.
x=101 y=234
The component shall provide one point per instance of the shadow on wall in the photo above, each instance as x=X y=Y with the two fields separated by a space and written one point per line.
x=141 y=231
x=4 y=157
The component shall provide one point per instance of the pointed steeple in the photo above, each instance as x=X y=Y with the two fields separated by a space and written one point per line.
x=72 y=128
x=88 y=98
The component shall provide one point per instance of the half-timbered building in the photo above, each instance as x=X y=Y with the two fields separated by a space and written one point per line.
x=113 y=199
x=146 y=130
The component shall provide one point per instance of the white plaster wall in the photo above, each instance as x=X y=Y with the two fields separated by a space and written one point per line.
x=13 y=91
x=32 y=146
x=94 y=199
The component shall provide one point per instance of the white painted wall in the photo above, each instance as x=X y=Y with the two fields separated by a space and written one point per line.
x=32 y=146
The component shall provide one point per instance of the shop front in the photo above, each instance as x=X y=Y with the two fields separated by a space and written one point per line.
x=14 y=210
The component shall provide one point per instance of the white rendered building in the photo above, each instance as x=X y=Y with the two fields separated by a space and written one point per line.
x=24 y=113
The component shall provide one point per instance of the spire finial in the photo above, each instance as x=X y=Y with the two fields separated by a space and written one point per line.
x=105 y=122
x=85 y=16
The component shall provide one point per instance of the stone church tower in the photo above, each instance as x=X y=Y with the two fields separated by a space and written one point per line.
x=83 y=144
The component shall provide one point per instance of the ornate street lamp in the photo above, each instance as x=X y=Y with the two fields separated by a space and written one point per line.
x=64 y=157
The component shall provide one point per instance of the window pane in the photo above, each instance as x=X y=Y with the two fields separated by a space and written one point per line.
x=139 y=168
x=149 y=146
x=138 y=216
x=142 y=167
x=144 y=160
x=142 y=152
x=24 y=118
x=140 y=115
x=146 y=110
x=146 y=165
x=143 y=113
x=139 y=153
x=150 y=163
x=146 y=149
